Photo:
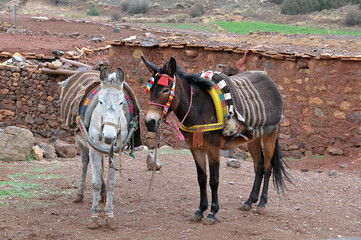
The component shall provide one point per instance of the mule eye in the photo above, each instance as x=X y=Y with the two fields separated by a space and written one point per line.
x=120 y=103
x=166 y=90
x=100 y=102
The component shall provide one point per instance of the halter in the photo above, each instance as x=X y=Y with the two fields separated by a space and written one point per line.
x=163 y=80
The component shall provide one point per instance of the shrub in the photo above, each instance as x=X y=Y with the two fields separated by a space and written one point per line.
x=294 y=7
x=124 y=5
x=277 y=1
x=138 y=6
x=115 y=16
x=197 y=10
x=93 y=11
x=353 y=18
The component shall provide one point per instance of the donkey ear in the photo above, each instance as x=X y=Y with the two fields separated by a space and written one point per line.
x=120 y=75
x=172 y=67
x=151 y=67
x=104 y=74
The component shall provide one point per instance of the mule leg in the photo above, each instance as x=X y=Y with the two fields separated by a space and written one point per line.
x=110 y=219
x=269 y=142
x=85 y=162
x=213 y=160
x=255 y=149
x=96 y=165
x=200 y=161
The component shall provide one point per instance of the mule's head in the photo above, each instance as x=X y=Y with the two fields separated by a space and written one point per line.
x=111 y=99
x=161 y=88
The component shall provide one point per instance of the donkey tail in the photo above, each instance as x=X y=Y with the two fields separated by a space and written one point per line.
x=279 y=171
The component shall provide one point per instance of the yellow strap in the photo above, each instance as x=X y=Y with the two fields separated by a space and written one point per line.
x=212 y=126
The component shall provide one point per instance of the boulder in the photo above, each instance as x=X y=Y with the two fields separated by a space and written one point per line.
x=49 y=151
x=65 y=150
x=15 y=143
x=150 y=162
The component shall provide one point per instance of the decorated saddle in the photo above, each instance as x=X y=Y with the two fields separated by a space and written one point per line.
x=250 y=102
x=79 y=98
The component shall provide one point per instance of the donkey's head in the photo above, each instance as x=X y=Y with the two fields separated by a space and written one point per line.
x=111 y=99
x=161 y=87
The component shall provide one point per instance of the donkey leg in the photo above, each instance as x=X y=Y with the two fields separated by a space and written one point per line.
x=200 y=160
x=85 y=162
x=103 y=190
x=96 y=165
x=255 y=150
x=269 y=142
x=110 y=219
x=213 y=160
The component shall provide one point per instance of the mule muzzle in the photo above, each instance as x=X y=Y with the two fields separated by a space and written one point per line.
x=152 y=125
x=109 y=140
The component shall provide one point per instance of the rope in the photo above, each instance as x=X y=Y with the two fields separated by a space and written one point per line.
x=151 y=179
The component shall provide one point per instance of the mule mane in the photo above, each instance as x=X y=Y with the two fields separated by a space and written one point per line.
x=194 y=79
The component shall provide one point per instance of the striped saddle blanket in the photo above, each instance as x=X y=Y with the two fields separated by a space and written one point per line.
x=252 y=102
x=79 y=98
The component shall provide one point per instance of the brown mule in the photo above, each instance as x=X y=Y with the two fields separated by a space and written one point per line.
x=187 y=96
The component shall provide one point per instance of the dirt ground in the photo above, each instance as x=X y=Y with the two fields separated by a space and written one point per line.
x=324 y=203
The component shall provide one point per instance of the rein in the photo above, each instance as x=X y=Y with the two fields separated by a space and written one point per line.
x=151 y=179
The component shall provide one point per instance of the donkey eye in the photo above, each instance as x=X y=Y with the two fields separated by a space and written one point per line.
x=121 y=103
x=166 y=90
x=100 y=102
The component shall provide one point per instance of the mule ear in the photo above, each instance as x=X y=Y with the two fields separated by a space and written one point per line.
x=120 y=75
x=172 y=67
x=151 y=67
x=104 y=74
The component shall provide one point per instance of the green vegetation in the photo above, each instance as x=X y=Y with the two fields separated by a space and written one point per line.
x=30 y=157
x=93 y=11
x=116 y=16
x=318 y=156
x=199 y=26
x=246 y=27
x=22 y=189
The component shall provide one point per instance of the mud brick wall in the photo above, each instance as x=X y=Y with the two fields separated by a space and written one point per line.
x=321 y=96
x=30 y=99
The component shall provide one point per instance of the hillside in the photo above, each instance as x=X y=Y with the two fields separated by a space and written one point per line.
x=177 y=10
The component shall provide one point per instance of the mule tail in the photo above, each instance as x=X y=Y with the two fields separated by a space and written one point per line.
x=279 y=172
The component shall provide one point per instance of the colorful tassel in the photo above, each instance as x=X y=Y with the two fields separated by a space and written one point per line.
x=197 y=138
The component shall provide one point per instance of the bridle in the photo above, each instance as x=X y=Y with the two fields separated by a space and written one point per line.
x=164 y=81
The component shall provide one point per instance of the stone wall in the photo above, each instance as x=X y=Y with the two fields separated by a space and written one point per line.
x=30 y=99
x=321 y=96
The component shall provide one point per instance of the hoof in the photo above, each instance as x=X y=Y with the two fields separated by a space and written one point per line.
x=209 y=220
x=197 y=216
x=103 y=199
x=245 y=207
x=94 y=223
x=110 y=220
x=78 y=198
x=260 y=210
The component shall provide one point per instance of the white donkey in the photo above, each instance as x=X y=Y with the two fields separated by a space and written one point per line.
x=108 y=126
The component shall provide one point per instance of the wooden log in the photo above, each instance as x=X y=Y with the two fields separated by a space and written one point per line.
x=75 y=63
x=57 y=71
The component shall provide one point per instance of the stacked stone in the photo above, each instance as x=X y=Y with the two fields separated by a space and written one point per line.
x=30 y=99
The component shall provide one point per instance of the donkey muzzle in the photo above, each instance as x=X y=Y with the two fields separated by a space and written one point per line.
x=152 y=125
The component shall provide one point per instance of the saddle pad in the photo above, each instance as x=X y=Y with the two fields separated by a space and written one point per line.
x=252 y=98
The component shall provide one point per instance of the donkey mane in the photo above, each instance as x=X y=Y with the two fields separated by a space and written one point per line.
x=194 y=79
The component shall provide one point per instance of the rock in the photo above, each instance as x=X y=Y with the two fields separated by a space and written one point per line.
x=304 y=170
x=65 y=150
x=15 y=143
x=334 y=150
x=332 y=173
x=49 y=151
x=227 y=153
x=150 y=162
x=234 y=163
x=37 y=153
x=242 y=155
